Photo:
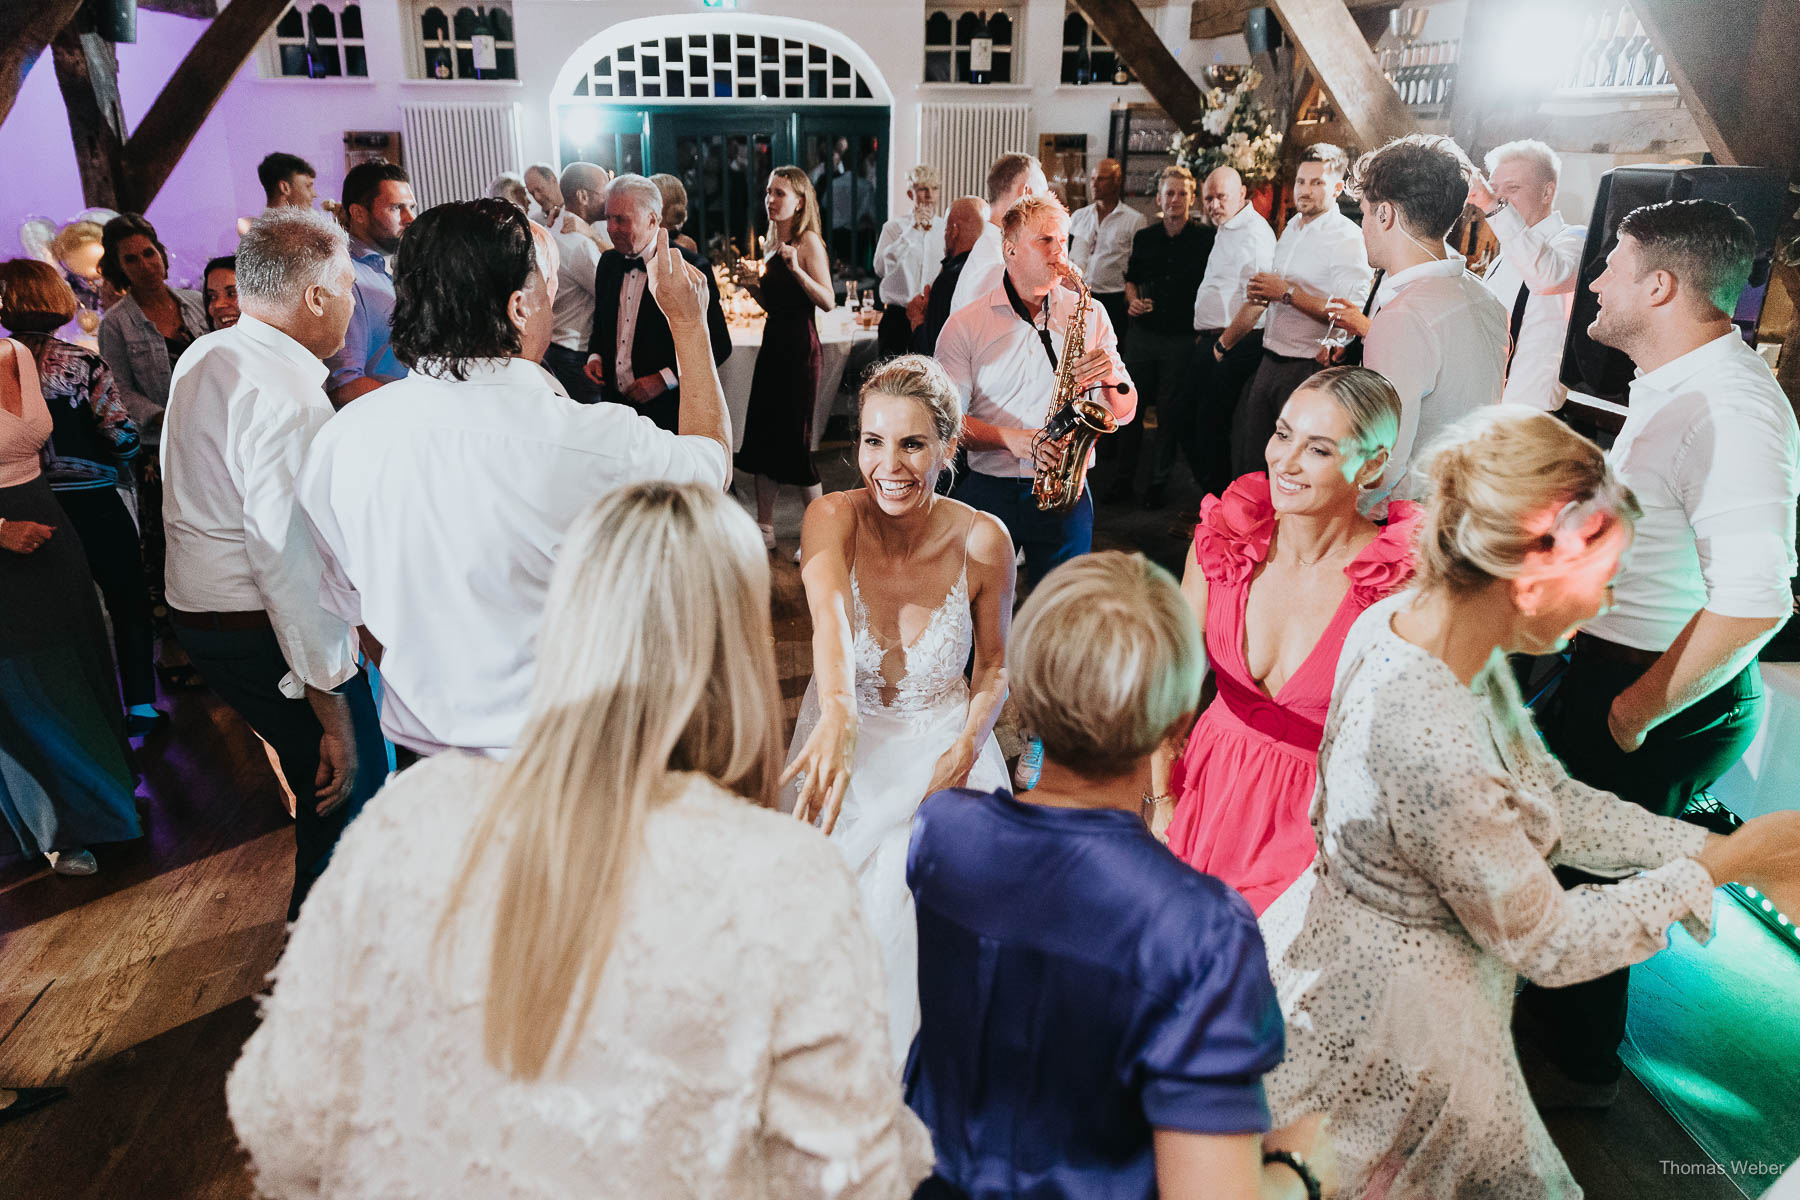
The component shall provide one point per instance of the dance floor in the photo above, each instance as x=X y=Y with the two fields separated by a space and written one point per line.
x=135 y=988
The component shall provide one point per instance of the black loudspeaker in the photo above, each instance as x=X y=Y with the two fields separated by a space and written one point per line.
x=1758 y=194
x=1261 y=30
x=114 y=20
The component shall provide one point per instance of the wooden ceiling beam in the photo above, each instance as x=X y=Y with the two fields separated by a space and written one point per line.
x=25 y=30
x=184 y=103
x=203 y=9
x=1327 y=35
x=1222 y=18
x=1733 y=63
x=1123 y=26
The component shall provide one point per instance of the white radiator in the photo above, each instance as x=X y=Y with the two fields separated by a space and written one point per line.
x=963 y=140
x=453 y=151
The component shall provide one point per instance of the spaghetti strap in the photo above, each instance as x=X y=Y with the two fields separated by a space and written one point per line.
x=968 y=534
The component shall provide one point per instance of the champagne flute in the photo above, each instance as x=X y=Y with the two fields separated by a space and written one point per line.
x=1336 y=336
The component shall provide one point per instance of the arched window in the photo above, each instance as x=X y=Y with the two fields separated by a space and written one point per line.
x=1086 y=58
x=723 y=66
x=950 y=28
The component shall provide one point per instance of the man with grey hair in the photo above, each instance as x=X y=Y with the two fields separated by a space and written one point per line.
x=1535 y=274
x=907 y=253
x=545 y=192
x=510 y=187
x=243 y=574
x=631 y=355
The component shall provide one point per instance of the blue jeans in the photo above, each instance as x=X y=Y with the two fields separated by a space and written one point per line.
x=244 y=666
x=1048 y=539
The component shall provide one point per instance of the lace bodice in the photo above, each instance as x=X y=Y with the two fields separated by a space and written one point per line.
x=933 y=662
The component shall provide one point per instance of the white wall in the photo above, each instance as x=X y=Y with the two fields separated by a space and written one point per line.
x=215 y=183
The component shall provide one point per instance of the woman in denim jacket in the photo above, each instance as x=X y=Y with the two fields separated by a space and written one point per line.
x=141 y=336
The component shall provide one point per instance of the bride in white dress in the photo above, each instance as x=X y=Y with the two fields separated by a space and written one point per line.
x=901 y=583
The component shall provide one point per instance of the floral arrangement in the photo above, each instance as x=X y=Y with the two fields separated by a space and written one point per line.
x=1235 y=132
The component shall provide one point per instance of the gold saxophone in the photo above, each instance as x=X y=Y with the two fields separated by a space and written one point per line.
x=1074 y=421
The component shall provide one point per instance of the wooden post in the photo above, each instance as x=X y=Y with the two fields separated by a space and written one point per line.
x=25 y=29
x=1346 y=68
x=87 y=70
x=1123 y=26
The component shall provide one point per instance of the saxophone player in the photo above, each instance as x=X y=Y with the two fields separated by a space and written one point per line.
x=1003 y=353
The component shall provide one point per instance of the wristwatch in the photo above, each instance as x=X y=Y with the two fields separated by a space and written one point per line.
x=1287 y=297
x=1297 y=1165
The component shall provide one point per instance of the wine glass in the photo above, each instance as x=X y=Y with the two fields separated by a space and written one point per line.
x=1336 y=336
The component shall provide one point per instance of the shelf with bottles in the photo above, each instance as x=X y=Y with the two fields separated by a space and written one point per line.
x=1139 y=137
x=1615 y=57
x=1086 y=58
x=1423 y=73
x=970 y=45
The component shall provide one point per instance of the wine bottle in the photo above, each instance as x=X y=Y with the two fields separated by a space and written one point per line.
x=981 y=53
x=1643 y=63
x=1084 y=64
x=1582 y=61
x=1625 y=69
x=1592 y=59
x=1615 y=59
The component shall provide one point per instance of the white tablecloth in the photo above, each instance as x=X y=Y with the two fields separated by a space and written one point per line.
x=839 y=344
x=1767 y=778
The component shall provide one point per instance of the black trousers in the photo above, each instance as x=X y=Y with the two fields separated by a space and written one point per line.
x=1215 y=388
x=244 y=666
x=569 y=367
x=894 y=332
x=1117 y=310
x=1157 y=363
x=1581 y=1025
x=117 y=564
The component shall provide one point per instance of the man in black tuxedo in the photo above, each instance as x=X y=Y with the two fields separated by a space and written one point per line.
x=962 y=228
x=631 y=355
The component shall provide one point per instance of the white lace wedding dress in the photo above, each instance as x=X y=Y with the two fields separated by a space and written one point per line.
x=897 y=746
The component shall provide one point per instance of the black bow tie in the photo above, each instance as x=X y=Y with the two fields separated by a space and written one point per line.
x=632 y=263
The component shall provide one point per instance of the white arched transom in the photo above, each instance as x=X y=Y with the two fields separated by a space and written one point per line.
x=721 y=58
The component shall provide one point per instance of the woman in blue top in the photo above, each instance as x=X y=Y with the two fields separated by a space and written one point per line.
x=1096 y=1015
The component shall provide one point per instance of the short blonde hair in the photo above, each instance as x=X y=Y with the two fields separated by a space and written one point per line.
x=674 y=201
x=1492 y=473
x=924 y=174
x=1104 y=657
x=1173 y=171
x=1026 y=210
x=1538 y=154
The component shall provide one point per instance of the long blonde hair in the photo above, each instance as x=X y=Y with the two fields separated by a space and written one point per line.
x=655 y=656
x=807 y=219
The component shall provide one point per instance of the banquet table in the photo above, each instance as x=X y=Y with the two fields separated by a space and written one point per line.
x=845 y=351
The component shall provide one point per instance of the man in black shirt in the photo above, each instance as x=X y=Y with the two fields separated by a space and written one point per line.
x=1168 y=260
x=962 y=227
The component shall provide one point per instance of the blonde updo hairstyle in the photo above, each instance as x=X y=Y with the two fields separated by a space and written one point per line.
x=1104 y=658
x=922 y=379
x=1494 y=475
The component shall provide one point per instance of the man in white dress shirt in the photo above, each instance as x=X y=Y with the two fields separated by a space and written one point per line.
x=1227 y=337
x=580 y=196
x=1319 y=256
x=1662 y=693
x=907 y=255
x=1536 y=272
x=1100 y=241
x=439 y=502
x=245 y=404
x=1012 y=178
x=1002 y=353
x=1438 y=335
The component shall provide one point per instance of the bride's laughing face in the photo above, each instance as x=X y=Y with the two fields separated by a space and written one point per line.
x=899 y=453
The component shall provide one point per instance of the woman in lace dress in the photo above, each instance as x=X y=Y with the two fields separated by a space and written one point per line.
x=902 y=582
x=1438 y=817
x=601 y=967
x=1282 y=565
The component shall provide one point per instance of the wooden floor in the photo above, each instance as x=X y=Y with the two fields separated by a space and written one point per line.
x=134 y=988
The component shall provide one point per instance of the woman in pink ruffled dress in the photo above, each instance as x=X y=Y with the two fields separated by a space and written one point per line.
x=1283 y=563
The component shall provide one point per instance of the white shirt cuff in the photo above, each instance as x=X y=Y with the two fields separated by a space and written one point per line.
x=669 y=379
